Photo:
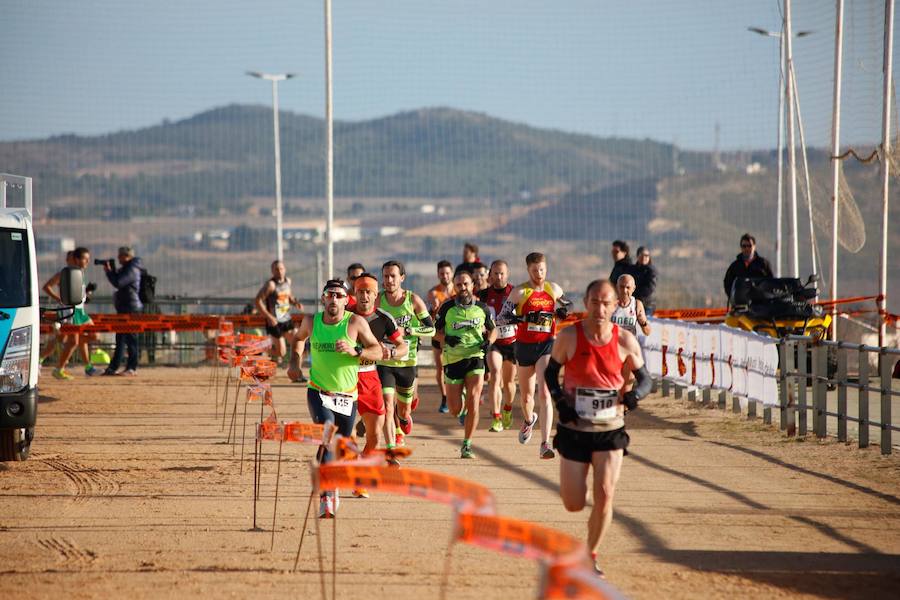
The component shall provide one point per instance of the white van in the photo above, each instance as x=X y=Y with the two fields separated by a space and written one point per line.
x=20 y=317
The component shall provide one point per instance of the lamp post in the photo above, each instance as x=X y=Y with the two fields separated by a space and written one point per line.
x=780 y=202
x=275 y=78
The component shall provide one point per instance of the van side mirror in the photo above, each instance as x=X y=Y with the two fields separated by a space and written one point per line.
x=71 y=286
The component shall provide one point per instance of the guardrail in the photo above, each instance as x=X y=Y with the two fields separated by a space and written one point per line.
x=818 y=370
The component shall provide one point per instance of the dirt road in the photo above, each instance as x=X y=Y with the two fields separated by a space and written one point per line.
x=131 y=491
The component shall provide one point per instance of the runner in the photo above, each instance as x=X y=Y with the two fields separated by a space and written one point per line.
x=629 y=310
x=353 y=271
x=385 y=330
x=480 y=277
x=501 y=358
x=436 y=296
x=81 y=258
x=461 y=326
x=338 y=341
x=533 y=305
x=592 y=402
x=274 y=302
x=58 y=338
x=398 y=375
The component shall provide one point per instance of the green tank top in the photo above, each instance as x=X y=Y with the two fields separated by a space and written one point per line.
x=405 y=316
x=332 y=371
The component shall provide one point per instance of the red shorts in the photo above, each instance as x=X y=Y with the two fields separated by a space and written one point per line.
x=369 y=398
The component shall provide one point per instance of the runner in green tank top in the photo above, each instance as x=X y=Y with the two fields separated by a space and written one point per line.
x=398 y=376
x=338 y=339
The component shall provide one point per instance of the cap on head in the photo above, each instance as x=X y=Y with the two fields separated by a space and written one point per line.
x=126 y=251
x=335 y=285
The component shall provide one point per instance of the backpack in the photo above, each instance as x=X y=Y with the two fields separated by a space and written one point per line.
x=147 y=289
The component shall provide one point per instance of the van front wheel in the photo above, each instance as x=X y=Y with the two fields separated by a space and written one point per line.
x=15 y=444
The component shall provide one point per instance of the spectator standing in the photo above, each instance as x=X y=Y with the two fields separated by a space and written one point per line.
x=127 y=281
x=621 y=261
x=644 y=273
x=747 y=264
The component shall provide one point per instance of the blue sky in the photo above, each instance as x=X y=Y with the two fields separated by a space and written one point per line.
x=665 y=70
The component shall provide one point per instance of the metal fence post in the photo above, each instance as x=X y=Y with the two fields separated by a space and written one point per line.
x=723 y=399
x=783 y=384
x=707 y=396
x=884 y=368
x=842 y=394
x=692 y=394
x=802 y=375
x=679 y=392
x=862 y=408
x=819 y=369
x=666 y=388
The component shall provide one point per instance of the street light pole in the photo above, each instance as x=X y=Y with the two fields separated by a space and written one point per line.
x=329 y=149
x=792 y=159
x=779 y=217
x=885 y=163
x=275 y=78
x=835 y=163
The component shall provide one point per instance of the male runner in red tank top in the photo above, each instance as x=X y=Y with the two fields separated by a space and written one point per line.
x=591 y=405
x=535 y=305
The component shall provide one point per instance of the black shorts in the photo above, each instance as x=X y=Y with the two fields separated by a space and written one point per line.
x=455 y=373
x=279 y=329
x=527 y=355
x=580 y=445
x=397 y=378
x=507 y=351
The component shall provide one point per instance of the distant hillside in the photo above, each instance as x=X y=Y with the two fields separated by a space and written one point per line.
x=216 y=158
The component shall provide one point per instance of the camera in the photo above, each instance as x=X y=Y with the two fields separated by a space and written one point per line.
x=106 y=261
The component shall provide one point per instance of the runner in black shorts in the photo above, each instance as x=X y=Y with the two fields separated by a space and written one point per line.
x=501 y=357
x=599 y=357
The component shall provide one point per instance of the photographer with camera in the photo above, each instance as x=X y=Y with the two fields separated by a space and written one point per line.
x=127 y=281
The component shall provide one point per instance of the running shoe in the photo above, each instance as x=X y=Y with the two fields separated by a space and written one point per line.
x=360 y=493
x=444 y=408
x=90 y=370
x=405 y=426
x=61 y=374
x=496 y=426
x=506 y=418
x=109 y=373
x=399 y=439
x=527 y=430
x=546 y=451
x=415 y=403
x=462 y=416
x=597 y=569
x=129 y=372
x=466 y=450
x=361 y=428
x=301 y=378
x=392 y=462
x=326 y=506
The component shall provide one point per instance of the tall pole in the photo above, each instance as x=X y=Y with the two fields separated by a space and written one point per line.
x=835 y=163
x=779 y=226
x=279 y=236
x=885 y=162
x=329 y=148
x=792 y=162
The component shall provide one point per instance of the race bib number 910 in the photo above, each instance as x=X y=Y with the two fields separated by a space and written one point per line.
x=597 y=406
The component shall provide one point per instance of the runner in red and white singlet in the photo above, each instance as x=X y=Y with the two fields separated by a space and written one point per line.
x=501 y=358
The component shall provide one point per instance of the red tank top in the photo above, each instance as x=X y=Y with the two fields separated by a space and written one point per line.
x=537 y=301
x=494 y=298
x=594 y=366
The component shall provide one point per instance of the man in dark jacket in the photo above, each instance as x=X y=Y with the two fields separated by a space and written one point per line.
x=621 y=259
x=747 y=264
x=127 y=281
x=644 y=274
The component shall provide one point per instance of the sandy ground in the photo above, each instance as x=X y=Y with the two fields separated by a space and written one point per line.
x=131 y=491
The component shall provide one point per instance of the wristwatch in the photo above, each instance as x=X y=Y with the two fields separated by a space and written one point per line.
x=359 y=349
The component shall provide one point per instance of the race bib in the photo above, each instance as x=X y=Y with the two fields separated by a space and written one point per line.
x=597 y=406
x=541 y=322
x=337 y=402
x=504 y=332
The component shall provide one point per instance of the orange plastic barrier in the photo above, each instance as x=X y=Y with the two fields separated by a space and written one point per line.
x=416 y=483
x=561 y=582
x=519 y=538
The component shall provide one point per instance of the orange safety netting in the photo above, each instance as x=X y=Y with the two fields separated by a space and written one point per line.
x=519 y=538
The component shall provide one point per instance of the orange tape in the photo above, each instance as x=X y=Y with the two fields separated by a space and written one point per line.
x=519 y=538
x=415 y=483
x=562 y=582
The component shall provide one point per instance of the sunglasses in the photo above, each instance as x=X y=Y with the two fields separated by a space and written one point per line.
x=334 y=295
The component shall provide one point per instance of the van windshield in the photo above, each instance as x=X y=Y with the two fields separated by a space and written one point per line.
x=15 y=274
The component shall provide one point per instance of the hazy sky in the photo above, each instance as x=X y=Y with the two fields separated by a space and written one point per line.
x=667 y=70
